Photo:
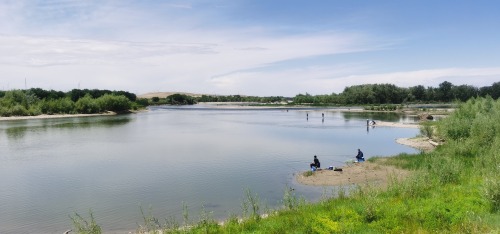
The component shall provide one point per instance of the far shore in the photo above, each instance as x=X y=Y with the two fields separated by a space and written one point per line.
x=54 y=116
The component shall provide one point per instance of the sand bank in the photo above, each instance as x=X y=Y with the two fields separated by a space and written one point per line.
x=357 y=173
x=396 y=124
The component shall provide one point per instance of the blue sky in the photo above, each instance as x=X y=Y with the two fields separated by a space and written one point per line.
x=247 y=47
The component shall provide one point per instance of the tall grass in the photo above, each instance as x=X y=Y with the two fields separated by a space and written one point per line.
x=85 y=226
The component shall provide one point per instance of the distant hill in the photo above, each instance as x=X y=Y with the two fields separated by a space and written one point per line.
x=166 y=94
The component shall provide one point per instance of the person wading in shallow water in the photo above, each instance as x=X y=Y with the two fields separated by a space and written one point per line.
x=315 y=163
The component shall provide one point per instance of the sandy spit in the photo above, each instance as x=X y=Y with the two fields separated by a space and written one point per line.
x=356 y=173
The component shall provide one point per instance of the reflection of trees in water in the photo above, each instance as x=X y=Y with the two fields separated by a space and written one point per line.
x=382 y=116
x=101 y=122
x=16 y=132
x=104 y=122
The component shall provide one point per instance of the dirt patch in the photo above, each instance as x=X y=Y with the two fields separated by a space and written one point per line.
x=356 y=173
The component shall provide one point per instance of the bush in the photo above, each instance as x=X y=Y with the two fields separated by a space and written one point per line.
x=492 y=192
x=58 y=106
x=87 y=105
x=114 y=103
x=427 y=129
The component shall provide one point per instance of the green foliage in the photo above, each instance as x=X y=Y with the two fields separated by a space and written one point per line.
x=114 y=103
x=239 y=98
x=37 y=101
x=290 y=200
x=87 y=105
x=83 y=226
x=180 y=99
x=307 y=173
x=251 y=205
x=492 y=191
x=427 y=129
x=376 y=95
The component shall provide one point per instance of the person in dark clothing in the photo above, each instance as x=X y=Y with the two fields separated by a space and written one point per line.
x=316 y=162
x=360 y=157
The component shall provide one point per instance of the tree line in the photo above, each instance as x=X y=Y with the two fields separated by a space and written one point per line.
x=373 y=94
x=183 y=99
x=37 y=101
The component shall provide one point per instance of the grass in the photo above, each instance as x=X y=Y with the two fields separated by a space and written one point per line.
x=454 y=189
x=307 y=173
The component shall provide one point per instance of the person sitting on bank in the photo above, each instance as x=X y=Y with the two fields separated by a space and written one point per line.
x=316 y=163
x=360 y=157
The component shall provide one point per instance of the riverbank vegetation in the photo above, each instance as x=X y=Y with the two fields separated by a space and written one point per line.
x=376 y=94
x=375 y=97
x=453 y=189
x=37 y=101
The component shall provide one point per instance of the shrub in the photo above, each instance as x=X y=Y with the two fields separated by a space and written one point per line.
x=427 y=129
x=87 y=105
x=82 y=226
x=114 y=103
x=492 y=192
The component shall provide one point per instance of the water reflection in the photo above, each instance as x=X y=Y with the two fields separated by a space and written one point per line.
x=382 y=116
x=20 y=128
x=164 y=157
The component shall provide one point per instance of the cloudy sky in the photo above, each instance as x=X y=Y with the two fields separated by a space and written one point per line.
x=247 y=47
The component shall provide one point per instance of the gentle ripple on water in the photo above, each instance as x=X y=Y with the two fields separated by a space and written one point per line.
x=200 y=156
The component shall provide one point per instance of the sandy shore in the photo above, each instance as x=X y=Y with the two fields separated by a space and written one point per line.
x=357 y=173
x=421 y=143
x=53 y=116
x=396 y=124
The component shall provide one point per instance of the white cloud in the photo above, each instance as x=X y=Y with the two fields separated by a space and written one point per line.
x=325 y=80
x=133 y=46
x=148 y=66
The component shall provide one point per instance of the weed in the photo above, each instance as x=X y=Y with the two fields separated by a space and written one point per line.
x=307 y=173
x=251 y=201
x=82 y=226
x=427 y=129
x=492 y=192
x=290 y=200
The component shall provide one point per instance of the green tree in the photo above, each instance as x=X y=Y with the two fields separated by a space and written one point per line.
x=444 y=92
x=180 y=99
x=418 y=92
x=464 y=92
x=87 y=105
x=114 y=103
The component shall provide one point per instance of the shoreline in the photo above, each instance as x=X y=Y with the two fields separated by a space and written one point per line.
x=58 y=116
x=366 y=173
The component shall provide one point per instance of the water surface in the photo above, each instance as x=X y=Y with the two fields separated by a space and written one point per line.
x=199 y=155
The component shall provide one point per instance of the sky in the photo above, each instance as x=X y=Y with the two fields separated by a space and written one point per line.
x=247 y=47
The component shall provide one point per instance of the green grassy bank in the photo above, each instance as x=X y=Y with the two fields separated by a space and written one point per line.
x=454 y=189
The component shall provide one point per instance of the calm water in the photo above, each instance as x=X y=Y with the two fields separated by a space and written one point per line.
x=52 y=168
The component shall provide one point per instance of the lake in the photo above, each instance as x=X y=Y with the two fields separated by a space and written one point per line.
x=201 y=156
